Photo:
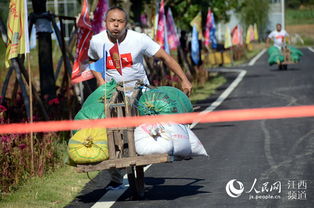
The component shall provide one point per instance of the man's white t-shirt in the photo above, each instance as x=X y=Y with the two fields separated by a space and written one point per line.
x=278 y=37
x=131 y=50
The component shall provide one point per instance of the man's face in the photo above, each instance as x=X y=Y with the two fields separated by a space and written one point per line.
x=116 y=23
x=278 y=27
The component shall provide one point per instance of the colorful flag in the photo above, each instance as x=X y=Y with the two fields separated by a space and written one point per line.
x=207 y=27
x=197 y=21
x=155 y=17
x=115 y=57
x=249 y=34
x=18 y=40
x=80 y=70
x=98 y=23
x=213 y=39
x=172 y=31
x=100 y=65
x=195 y=46
x=255 y=32
x=236 y=35
x=228 y=42
x=160 y=36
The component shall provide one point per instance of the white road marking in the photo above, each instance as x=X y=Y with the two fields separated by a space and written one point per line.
x=225 y=94
x=311 y=49
x=111 y=196
x=252 y=62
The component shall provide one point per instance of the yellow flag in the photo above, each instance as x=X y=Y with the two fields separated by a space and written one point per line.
x=255 y=32
x=249 y=33
x=228 y=42
x=197 y=21
x=18 y=41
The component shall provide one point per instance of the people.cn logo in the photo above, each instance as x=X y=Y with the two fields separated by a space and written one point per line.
x=233 y=191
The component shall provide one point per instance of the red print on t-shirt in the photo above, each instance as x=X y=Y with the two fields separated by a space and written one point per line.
x=280 y=37
x=126 y=60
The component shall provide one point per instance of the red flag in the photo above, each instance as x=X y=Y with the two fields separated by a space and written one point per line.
x=160 y=36
x=115 y=56
x=172 y=31
x=80 y=71
x=235 y=35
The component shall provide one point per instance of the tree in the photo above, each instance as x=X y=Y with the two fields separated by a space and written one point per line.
x=254 y=11
x=47 y=80
x=185 y=10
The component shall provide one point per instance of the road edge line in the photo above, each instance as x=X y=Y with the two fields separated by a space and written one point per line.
x=252 y=62
x=225 y=94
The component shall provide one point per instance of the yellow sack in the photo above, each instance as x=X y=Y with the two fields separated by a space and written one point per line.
x=89 y=146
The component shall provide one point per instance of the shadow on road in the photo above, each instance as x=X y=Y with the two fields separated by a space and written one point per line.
x=156 y=190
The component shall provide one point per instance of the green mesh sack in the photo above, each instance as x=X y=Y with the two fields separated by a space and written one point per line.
x=94 y=107
x=92 y=111
x=295 y=54
x=98 y=95
x=275 y=55
x=164 y=100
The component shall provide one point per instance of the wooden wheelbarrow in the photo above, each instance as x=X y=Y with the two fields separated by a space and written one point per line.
x=122 y=153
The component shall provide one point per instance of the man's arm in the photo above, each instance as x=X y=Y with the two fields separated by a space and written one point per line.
x=176 y=68
x=98 y=76
x=100 y=80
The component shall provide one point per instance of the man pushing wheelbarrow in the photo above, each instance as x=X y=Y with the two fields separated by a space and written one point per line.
x=125 y=63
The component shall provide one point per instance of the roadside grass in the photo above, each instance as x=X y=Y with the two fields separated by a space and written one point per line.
x=55 y=189
x=201 y=93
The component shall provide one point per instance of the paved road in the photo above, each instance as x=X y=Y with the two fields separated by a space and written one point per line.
x=270 y=160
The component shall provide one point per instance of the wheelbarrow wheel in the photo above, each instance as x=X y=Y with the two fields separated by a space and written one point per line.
x=136 y=181
x=280 y=67
x=285 y=67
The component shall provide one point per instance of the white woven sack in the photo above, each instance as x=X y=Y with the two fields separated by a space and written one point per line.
x=152 y=139
x=196 y=145
x=180 y=138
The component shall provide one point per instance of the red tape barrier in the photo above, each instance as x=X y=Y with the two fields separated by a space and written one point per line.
x=204 y=117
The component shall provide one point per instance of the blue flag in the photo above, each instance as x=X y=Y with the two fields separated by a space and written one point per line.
x=213 y=39
x=195 y=46
x=100 y=64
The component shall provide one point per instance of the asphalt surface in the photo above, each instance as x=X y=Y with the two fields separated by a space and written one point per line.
x=270 y=160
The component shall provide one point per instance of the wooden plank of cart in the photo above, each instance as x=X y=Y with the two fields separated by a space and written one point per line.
x=121 y=144
x=287 y=58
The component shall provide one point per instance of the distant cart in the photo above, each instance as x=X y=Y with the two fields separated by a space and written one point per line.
x=122 y=153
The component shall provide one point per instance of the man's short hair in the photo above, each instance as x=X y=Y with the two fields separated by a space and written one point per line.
x=120 y=9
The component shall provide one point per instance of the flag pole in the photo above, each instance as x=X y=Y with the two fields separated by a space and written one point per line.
x=31 y=111
x=125 y=98
x=104 y=55
x=26 y=53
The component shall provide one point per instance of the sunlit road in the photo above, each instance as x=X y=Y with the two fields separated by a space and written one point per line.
x=270 y=160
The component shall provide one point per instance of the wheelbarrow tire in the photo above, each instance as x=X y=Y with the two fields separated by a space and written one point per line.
x=285 y=67
x=280 y=67
x=136 y=182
